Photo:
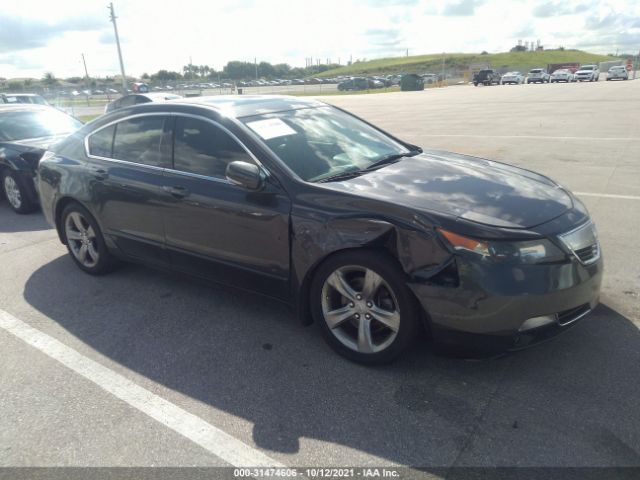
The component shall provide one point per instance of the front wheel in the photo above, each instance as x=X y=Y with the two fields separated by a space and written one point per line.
x=363 y=306
x=15 y=191
x=85 y=242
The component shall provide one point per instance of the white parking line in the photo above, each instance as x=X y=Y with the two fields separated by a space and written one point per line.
x=219 y=443
x=608 y=195
x=537 y=137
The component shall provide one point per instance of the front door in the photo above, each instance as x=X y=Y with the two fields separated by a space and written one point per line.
x=217 y=229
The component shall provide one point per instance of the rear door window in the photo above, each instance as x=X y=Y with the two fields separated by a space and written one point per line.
x=145 y=140
x=101 y=142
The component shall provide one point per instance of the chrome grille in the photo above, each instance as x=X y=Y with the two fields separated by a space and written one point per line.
x=587 y=253
x=583 y=243
x=569 y=316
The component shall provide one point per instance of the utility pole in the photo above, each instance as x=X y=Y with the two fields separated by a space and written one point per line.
x=86 y=77
x=255 y=64
x=443 y=68
x=113 y=17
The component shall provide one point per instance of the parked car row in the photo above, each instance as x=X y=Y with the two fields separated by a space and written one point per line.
x=585 y=73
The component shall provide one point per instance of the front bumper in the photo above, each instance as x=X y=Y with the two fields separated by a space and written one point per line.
x=484 y=314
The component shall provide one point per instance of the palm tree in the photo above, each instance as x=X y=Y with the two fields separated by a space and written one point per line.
x=49 y=79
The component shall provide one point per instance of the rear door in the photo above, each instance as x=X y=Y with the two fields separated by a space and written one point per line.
x=126 y=162
x=217 y=229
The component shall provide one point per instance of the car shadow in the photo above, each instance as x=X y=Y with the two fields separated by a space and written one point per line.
x=11 y=222
x=568 y=402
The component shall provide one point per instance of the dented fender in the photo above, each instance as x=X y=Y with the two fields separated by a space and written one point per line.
x=418 y=251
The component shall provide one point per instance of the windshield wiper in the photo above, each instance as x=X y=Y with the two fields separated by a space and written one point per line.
x=342 y=176
x=393 y=158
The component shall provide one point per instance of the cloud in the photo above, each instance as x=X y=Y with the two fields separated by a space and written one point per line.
x=384 y=37
x=390 y=3
x=461 y=8
x=23 y=34
x=555 y=8
x=612 y=21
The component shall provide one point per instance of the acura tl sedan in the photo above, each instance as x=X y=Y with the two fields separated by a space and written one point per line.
x=372 y=238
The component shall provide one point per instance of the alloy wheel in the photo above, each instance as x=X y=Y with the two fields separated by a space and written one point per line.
x=12 y=192
x=360 y=309
x=81 y=238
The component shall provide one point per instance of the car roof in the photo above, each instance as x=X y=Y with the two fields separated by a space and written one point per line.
x=4 y=107
x=21 y=94
x=247 y=105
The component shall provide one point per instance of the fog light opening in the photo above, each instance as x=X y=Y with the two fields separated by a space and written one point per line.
x=536 y=322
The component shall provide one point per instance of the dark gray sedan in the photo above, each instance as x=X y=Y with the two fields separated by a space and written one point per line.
x=369 y=236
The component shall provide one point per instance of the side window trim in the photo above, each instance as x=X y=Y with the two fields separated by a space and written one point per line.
x=87 y=138
x=172 y=170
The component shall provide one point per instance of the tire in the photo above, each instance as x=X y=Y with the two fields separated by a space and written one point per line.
x=357 y=331
x=80 y=230
x=16 y=193
x=475 y=84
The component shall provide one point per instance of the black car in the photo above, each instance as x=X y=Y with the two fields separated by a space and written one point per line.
x=486 y=77
x=355 y=83
x=368 y=235
x=138 y=98
x=26 y=131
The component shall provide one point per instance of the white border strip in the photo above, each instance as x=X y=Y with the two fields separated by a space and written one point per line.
x=608 y=195
x=536 y=137
x=219 y=443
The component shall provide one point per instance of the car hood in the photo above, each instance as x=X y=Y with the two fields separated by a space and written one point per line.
x=470 y=188
x=43 y=142
x=585 y=71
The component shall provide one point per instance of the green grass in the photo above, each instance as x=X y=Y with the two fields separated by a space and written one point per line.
x=87 y=118
x=320 y=93
x=462 y=61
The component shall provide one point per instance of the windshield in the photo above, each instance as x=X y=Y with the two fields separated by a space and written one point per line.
x=560 y=71
x=586 y=67
x=537 y=70
x=21 y=125
x=318 y=143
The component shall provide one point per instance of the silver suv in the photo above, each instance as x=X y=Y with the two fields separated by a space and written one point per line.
x=538 y=75
x=619 y=72
x=589 y=73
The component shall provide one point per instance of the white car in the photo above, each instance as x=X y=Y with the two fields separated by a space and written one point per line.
x=619 y=72
x=512 y=78
x=562 y=75
x=538 y=75
x=589 y=73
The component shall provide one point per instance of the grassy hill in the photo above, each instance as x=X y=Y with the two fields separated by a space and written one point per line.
x=462 y=61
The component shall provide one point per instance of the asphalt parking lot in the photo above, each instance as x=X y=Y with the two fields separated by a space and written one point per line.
x=215 y=361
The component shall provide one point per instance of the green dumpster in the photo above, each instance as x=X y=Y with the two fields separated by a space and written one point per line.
x=411 y=82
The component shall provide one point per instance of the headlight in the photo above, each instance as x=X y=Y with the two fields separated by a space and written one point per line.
x=529 y=251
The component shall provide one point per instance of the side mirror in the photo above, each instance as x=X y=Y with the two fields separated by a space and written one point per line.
x=245 y=174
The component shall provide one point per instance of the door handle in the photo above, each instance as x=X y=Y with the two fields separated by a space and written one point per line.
x=176 y=191
x=100 y=173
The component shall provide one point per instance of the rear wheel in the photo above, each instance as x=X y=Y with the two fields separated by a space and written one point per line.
x=85 y=242
x=363 y=306
x=15 y=191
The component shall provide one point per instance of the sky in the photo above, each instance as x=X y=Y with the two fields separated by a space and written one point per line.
x=38 y=36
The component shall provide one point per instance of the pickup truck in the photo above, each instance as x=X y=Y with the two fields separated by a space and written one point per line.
x=486 y=77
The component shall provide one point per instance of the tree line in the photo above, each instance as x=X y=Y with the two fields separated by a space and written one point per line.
x=237 y=70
